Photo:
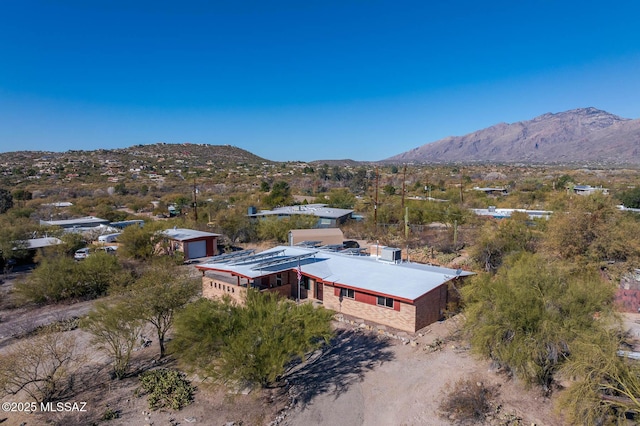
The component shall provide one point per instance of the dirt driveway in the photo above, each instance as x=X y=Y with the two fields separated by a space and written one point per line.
x=370 y=380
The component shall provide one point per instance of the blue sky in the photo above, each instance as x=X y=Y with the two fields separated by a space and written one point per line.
x=304 y=80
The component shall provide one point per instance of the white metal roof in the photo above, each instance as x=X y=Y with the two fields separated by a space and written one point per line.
x=35 y=243
x=404 y=280
x=183 y=234
x=319 y=210
x=82 y=221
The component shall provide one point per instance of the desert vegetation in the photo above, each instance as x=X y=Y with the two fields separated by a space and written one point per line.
x=541 y=305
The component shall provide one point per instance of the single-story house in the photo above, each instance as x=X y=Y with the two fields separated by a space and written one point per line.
x=40 y=243
x=499 y=213
x=406 y=296
x=588 y=190
x=82 y=222
x=491 y=191
x=328 y=217
x=194 y=244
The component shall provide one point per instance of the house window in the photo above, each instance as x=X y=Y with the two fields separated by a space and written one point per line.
x=385 y=301
x=278 y=280
x=348 y=293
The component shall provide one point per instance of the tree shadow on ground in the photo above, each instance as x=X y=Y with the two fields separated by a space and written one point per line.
x=340 y=364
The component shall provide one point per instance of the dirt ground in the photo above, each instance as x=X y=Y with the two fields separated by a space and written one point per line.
x=366 y=377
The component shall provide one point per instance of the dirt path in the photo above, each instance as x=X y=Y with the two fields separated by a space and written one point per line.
x=20 y=321
x=368 y=380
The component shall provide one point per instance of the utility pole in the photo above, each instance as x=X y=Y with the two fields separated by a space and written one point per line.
x=404 y=181
x=375 y=202
x=461 y=196
x=195 y=201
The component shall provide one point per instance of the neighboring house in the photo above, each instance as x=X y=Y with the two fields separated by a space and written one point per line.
x=405 y=296
x=492 y=191
x=323 y=236
x=82 y=222
x=124 y=223
x=328 y=217
x=40 y=243
x=194 y=244
x=505 y=213
x=588 y=190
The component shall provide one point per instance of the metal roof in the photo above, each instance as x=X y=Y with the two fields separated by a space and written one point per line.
x=35 y=243
x=319 y=210
x=182 y=234
x=82 y=221
x=403 y=280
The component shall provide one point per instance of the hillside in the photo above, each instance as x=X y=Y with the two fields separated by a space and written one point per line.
x=585 y=135
x=188 y=153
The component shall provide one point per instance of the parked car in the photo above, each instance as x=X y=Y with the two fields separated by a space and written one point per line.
x=83 y=253
x=109 y=249
x=350 y=244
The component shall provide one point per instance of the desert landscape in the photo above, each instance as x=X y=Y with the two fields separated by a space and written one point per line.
x=368 y=375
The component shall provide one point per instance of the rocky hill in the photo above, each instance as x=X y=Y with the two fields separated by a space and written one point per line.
x=191 y=153
x=585 y=135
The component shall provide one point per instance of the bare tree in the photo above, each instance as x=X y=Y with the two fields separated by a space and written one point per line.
x=42 y=367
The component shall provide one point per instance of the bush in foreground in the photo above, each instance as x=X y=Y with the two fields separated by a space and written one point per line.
x=468 y=401
x=166 y=388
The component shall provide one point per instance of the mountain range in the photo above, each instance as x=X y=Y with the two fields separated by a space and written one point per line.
x=584 y=135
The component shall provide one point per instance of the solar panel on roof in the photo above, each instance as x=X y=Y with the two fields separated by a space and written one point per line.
x=331 y=247
x=228 y=256
x=308 y=243
x=254 y=257
x=282 y=260
x=354 y=251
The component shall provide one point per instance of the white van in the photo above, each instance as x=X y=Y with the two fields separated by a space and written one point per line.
x=109 y=238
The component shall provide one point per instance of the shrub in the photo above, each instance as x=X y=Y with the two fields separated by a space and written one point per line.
x=469 y=401
x=166 y=388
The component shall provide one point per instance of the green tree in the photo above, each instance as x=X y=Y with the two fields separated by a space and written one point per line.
x=528 y=316
x=280 y=195
x=250 y=343
x=22 y=195
x=121 y=189
x=389 y=189
x=499 y=239
x=61 y=278
x=141 y=243
x=272 y=228
x=630 y=198
x=14 y=233
x=591 y=231
x=341 y=198
x=161 y=291
x=236 y=226
x=115 y=329
x=6 y=200
x=605 y=387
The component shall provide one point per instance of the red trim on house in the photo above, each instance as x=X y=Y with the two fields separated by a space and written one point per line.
x=375 y=293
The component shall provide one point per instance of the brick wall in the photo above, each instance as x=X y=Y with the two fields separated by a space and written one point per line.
x=402 y=319
x=431 y=306
x=215 y=289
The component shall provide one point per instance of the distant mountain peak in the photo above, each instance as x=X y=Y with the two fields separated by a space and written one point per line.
x=578 y=135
